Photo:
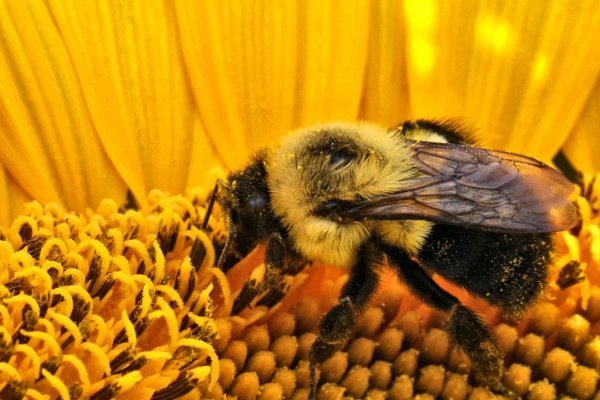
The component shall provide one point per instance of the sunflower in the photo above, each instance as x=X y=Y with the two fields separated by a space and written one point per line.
x=116 y=118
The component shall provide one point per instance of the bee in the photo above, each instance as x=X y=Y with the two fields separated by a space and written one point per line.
x=421 y=198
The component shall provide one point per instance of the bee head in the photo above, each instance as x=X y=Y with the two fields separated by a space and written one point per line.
x=246 y=201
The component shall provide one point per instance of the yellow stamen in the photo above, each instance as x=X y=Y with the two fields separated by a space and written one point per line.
x=127 y=381
x=35 y=395
x=68 y=324
x=140 y=249
x=9 y=370
x=37 y=278
x=45 y=338
x=129 y=329
x=101 y=328
x=159 y=264
x=79 y=367
x=23 y=298
x=171 y=293
x=204 y=322
x=171 y=320
x=99 y=355
x=201 y=345
x=20 y=260
x=155 y=355
x=34 y=358
x=224 y=284
x=209 y=258
x=57 y=384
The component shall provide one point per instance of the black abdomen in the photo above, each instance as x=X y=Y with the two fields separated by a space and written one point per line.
x=507 y=270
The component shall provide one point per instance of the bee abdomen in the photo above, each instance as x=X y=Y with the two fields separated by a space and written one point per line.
x=507 y=270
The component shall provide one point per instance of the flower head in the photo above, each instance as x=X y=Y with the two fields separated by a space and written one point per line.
x=112 y=303
x=101 y=99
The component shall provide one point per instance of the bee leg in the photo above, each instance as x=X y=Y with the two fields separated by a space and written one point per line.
x=278 y=263
x=337 y=324
x=465 y=328
x=271 y=279
x=281 y=284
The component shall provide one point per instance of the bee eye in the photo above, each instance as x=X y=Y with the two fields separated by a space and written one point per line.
x=341 y=158
x=253 y=207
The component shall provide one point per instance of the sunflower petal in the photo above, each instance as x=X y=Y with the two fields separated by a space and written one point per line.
x=240 y=83
x=385 y=97
x=139 y=101
x=204 y=158
x=12 y=198
x=525 y=86
x=258 y=69
x=332 y=60
x=583 y=145
x=48 y=141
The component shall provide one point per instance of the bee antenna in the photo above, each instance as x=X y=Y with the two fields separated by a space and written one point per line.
x=211 y=201
x=226 y=247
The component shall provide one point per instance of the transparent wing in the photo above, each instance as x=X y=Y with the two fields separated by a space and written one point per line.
x=477 y=188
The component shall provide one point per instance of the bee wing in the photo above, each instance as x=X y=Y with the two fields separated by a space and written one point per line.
x=477 y=188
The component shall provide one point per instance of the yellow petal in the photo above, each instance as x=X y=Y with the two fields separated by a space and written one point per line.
x=385 y=98
x=583 y=145
x=57 y=384
x=140 y=100
x=333 y=40
x=205 y=165
x=521 y=71
x=12 y=198
x=48 y=141
x=259 y=69
x=213 y=36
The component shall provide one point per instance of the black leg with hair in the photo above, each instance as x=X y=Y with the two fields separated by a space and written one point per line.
x=337 y=324
x=465 y=328
x=281 y=263
x=275 y=263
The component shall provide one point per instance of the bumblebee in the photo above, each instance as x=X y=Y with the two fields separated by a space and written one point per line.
x=421 y=198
